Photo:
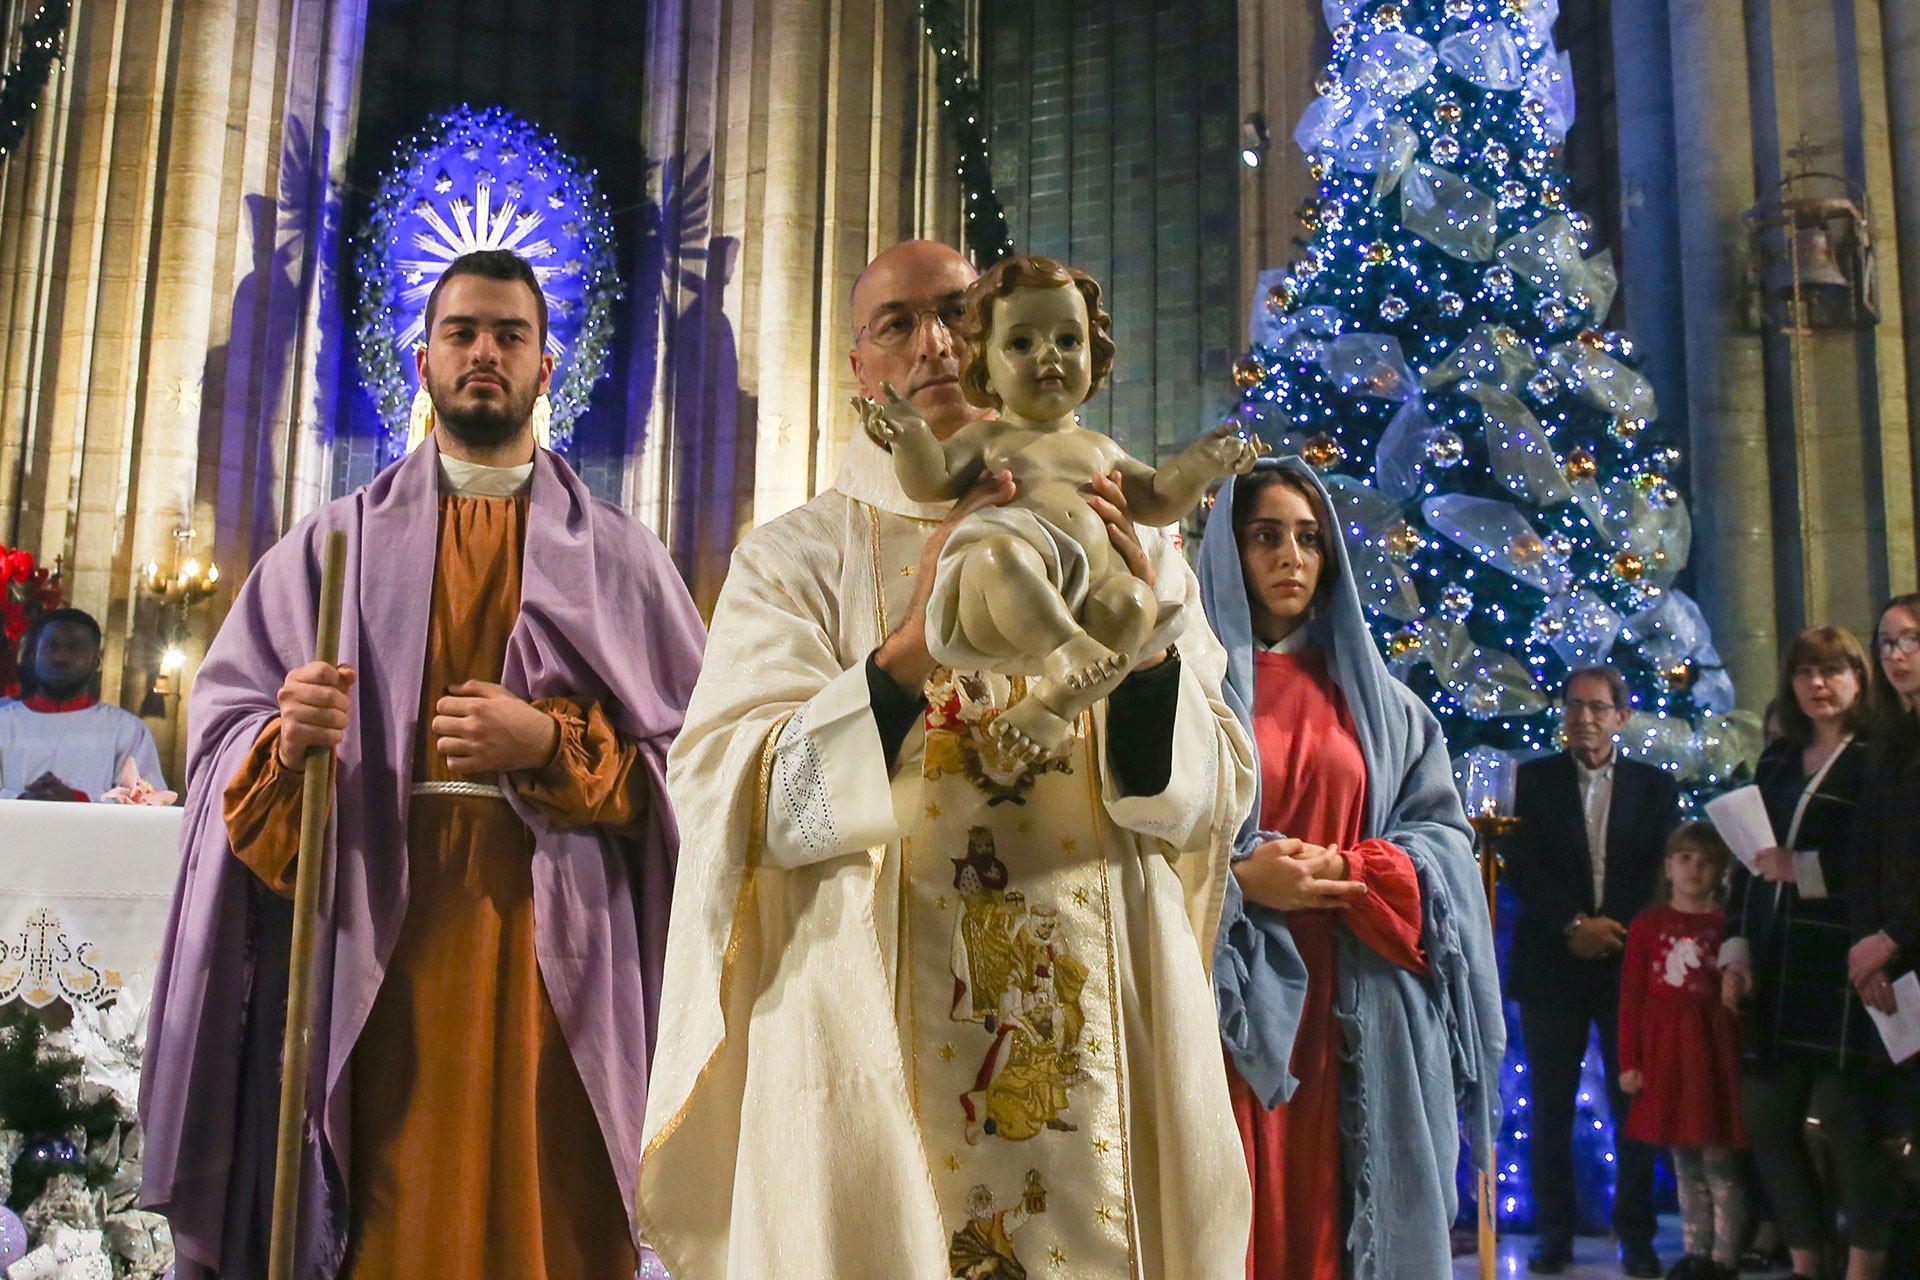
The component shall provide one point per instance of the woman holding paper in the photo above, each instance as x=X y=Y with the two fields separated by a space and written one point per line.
x=1884 y=891
x=1786 y=954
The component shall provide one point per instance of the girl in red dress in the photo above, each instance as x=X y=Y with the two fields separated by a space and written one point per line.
x=1680 y=1050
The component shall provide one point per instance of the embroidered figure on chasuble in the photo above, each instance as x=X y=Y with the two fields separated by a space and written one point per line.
x=906 y=954
x=1037 y=936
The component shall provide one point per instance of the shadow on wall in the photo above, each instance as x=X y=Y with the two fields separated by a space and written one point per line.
x=248 y=421
x=686 y=270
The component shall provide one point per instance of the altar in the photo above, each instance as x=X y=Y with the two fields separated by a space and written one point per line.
x=84 y=895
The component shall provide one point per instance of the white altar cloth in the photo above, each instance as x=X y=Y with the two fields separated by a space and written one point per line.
x=84 y=893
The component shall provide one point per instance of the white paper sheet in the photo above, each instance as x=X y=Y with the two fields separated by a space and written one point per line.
x=1740 y=816
x=1807 y=875
x=1901 y=1029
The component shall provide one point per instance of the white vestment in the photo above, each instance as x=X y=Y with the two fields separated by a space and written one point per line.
x=955 y=1016
x=84 y=749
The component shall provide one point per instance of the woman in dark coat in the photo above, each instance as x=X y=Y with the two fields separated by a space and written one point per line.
x=1786 y=961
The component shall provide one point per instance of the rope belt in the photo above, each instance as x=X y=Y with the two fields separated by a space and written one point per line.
x=478 y=790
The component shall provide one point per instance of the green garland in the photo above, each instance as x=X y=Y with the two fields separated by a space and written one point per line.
x=40 y=1097
x=40 y=39
x=965 y=108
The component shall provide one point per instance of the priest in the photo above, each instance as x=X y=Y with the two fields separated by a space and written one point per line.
x=515 y=658
x=931 y=1010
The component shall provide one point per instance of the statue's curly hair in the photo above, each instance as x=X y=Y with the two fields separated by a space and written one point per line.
x=1026 y=271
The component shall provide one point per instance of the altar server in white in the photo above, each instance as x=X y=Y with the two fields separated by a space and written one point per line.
x=61 y=742
x=929 y=1011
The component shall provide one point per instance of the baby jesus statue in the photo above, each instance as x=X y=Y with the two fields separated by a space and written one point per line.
x=1035 y=587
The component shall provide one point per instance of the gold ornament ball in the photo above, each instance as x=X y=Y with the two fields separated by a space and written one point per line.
x=1679 y=675
x=1648 y=481
x=1593 y=338
x=1322 y=451
x=1629 y=567
x=1580 y=464
x=1279 y=298
x=1325 y=85
x=1317 y=170
x=1626 y=430
x=1247 y=373
x=1402 y=541
x=1309 y=214
x=1527 y=549
x=1387 y=17
x=1448 y=112
x=1379 y=251
x=1516 y=7
x=1403 y=642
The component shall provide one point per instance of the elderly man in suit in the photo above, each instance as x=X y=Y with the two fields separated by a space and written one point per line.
x=1586 y=859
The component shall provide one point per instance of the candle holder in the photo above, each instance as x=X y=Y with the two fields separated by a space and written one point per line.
x=189 y=582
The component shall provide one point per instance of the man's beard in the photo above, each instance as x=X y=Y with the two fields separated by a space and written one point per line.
x=64 y=690
x=480 y=424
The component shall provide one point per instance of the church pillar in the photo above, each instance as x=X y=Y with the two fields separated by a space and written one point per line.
x=168 y=225
x=796 y=138
x=1726 y=408
x=1900 y=25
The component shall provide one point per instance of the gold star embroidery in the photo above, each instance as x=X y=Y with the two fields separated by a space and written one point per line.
x=933 y=811
x=1057 y=1256
x=907 y=572
x=1080 y=896
x=953 y=1163
x=940 y=903
x=946 y=1052
x=1066 y=843
x=1093 y=1045
x=1103 y=1213
x=1100 y=1146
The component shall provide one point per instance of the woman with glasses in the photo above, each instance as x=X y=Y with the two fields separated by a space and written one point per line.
x=1883 y=894
x=1785 y=963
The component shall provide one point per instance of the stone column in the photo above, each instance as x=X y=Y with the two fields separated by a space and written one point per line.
x=1900 y=26
x=1733 y=540
x=1284 y=46
x=795 y=140
x=152 y=288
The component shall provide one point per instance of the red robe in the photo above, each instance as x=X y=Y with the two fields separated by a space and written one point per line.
x=1313 y=787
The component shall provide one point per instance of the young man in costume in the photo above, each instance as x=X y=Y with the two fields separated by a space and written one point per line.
x=929 y=1010
x=60 y=742
x=515 y=657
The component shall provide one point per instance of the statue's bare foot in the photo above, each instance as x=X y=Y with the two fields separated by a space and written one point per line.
x=1081 y=663
x=1029 y=730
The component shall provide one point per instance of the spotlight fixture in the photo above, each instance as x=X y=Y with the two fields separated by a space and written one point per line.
x=1253 y=140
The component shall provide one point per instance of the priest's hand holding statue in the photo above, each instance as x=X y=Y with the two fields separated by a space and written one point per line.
x=1038 y=586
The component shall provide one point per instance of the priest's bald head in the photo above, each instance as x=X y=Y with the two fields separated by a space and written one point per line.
x=906 y=309
x=485 y=360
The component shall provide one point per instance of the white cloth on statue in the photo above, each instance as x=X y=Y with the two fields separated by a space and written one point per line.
x=1064 y=559
x=84 y=749
x=814 y=1064
x=1596 y=799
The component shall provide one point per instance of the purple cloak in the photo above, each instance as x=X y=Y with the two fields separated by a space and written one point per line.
x=603 y=615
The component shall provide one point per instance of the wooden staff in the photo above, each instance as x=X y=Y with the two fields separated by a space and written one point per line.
x=1491 y=829
x=310 y=873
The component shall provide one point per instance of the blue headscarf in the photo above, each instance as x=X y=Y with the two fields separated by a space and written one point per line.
x=1420 y=1054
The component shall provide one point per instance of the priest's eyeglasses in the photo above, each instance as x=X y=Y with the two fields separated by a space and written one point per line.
x=896 y=326
x=1907 y=642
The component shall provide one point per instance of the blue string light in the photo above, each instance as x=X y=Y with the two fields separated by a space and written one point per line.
x=484 y=178
x=1440 y=338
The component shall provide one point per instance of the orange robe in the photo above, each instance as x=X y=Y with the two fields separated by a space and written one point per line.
x=475 y=1151
x=1313 y=787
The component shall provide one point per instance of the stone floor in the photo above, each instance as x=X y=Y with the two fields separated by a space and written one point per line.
x=1593 y=1257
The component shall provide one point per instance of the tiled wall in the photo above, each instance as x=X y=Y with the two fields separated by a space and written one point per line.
x=1114 y=135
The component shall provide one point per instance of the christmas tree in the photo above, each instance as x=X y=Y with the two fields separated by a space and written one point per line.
x=1439 y=352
